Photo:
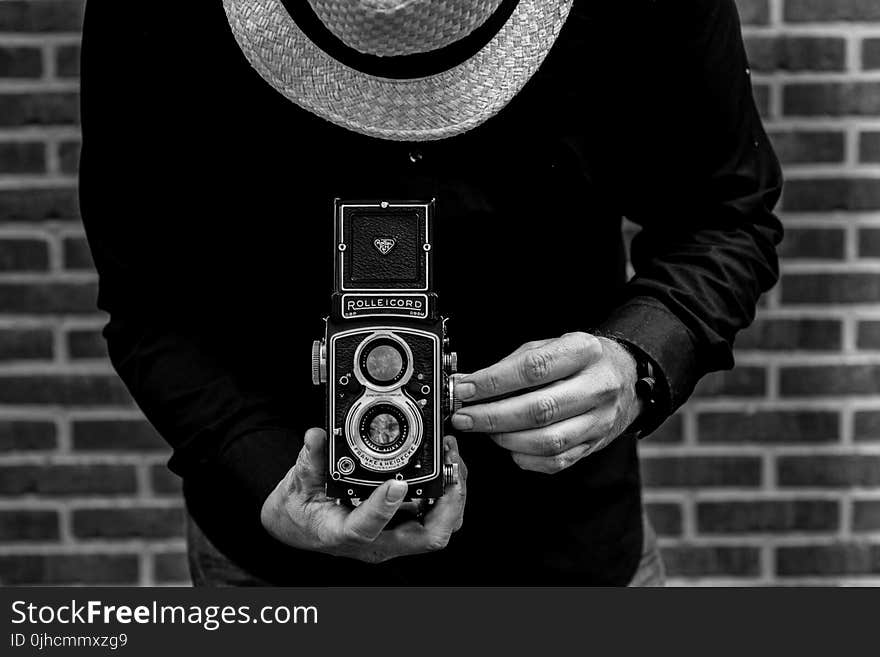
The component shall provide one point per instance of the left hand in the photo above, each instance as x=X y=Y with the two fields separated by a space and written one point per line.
x=571 y=396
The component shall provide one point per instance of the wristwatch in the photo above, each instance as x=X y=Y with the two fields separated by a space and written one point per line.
x=646 y=392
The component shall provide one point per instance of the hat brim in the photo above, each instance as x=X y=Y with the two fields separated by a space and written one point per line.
x=417 y=109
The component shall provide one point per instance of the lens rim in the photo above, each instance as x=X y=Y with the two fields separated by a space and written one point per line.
x=376 y=457
x=377 y=339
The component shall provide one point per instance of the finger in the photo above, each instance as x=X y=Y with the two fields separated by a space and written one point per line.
x=308 y=473
x=557 y=463
x=556 y=438
x=365 y=522
x=538 y=408
x=530 y=367
x=447 y=515
x=452 y=455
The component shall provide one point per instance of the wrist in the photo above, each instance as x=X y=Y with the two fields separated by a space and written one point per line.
x=641 y=377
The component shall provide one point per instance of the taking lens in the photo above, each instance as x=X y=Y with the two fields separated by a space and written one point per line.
x=384 y=427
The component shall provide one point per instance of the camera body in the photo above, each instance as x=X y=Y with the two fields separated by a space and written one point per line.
x=385 y=358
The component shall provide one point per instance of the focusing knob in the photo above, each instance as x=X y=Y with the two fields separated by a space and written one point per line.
x=450 y=362
x=319 y=362
x=453 y=403
x=450 y=474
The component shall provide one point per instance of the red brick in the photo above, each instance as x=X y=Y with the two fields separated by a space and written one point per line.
x=869 y=334
x=46 y=108
x=77 y=255
x=869 y=243
x=665 y=518
x=801 y=334
x=831 y=99
x=754 y=12
x=740 y=382
x=768 y=516
x=869 y=147
x=16 y=569
x=131 y=522
x=48 y=298
x=23 y=255
x=821 y=380
x=25 y=344
x=823 y=560
x=41 y=15
x=769 y=427
x=866 y=516
x=813 y=244
x=829 y=471
x=38 y=204
x=820 y=11
x=164 y=482
x=22 y=157
x=827 y=194
x=86 y=344
x=67 y=61
x=867 y=425
x=697 y=471
x=66 y=479
x=830 y=288
x=68 y=154
x=796 y=53
x=20 y=62
x=116 y=435
x=871 y=54
x=64 y=390
x=721 y=561
x=171 y=568
x=808 y=146
x=28 y=525
x=26 y=435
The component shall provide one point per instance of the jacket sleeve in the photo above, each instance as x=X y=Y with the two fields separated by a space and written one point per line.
x=703 y=181
x=163 y=290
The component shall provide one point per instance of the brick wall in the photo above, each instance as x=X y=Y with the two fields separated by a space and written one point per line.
x=771 y=474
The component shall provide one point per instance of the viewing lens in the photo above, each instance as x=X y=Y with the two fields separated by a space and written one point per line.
x=384 y=363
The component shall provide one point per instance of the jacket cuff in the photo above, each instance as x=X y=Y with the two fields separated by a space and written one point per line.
x=646 y=324
x=257 y=461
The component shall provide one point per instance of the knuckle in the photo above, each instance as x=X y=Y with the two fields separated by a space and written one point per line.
x=536 y=366
x=491 y=383
x=554 y=443
x=585 y=344
x=559 y=463
x=544 y=410
x=491 y=420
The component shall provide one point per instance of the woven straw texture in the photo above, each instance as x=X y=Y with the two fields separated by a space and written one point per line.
x=429 y=108
x=388 y=27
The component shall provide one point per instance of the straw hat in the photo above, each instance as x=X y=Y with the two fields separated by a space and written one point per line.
x=411 y=70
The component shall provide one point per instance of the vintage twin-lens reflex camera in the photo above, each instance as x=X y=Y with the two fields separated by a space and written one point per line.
x=385 y=357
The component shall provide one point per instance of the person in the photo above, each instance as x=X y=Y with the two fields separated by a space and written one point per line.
x=215 y=138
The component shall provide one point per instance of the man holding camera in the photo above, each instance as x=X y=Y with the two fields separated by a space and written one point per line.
x=215 y=138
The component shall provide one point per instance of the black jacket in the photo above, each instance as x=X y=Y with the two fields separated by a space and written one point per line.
x=207 y=201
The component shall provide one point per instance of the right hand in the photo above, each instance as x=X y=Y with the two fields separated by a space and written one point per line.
x=300 y=514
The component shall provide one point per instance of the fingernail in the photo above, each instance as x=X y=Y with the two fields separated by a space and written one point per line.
x=396 y=491
x=465 y=390
x=462 y=422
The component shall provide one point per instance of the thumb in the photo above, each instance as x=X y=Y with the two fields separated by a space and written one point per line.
x=308 y=472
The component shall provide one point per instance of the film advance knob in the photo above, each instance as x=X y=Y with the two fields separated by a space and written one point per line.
x=319 y=362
